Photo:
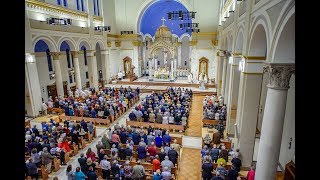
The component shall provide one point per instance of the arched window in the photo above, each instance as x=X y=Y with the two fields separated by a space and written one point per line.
x=49 y=60
x=59 y=2
x=68 y=57
x=72 y=60
x=82 y=5
x=85 y=56
x=78 y=5
x=185 y=63
x=94 y=7
x=158 y=62
x=98 y=9
x=65 y=3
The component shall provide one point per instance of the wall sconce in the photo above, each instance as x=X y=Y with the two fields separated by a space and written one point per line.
x=52 y=76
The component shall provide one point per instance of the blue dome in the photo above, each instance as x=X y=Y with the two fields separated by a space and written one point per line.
x=151 y=19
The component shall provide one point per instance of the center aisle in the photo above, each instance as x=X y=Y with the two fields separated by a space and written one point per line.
x=195 y=117
x=190 y=160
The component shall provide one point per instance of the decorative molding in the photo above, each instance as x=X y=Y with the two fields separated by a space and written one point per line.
x=235 y=54
x=253 y=57
x=39 y=5
x=113 y=35
x=75 y=54
x=117 y=43
x=136 y=43
x=90 y=53
x=193 y=43
x=109 y=43
x=55 y=55
x=279 y=75
x=97 y=18
x=215 y=42
x=202 y=34
x=252 y=73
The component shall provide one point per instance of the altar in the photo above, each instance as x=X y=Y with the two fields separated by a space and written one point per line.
x=162 y=73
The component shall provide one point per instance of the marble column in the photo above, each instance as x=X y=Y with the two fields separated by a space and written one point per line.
x=233 y=92
x=224 y=75
x=76 y=69
x=179 y=55
x=219 y=65
x=155 y=63
x=175 y=67
x=171 y=71
x=150 y=69
x=91 y=54
x=105 y=65
x=248 y=105
x=273 y=119
x=32 y=87
x=58 y=75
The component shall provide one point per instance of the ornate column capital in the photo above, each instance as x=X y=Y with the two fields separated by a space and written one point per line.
x=75 y=54
x=91 y=53
x=179 y=44
x=279 y=74
x=193 y=43
x=55 y=55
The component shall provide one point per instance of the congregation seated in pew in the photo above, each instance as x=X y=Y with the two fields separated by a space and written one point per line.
x=169 y=107
x=52 y=146
x=212 y=110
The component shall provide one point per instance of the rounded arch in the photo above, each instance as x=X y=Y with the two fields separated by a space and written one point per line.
x=101 y=44
x=70 y=42
x=259 y=38
x=145 y=36
x=146 y=4
x=283 y=46
x=185 y=35
x=239 y=41
x=84 y=42
x=155 y=49
x=49 y=41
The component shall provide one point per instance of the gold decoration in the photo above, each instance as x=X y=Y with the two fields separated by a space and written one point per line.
x=136 y=43
x=109 y=43
x=179 y=43
x=193 y=43
x=97 y=18
x=253 y=57
x=75 y=54
x=55 y=55
x=214 y=42
x=117 y=43
x=34 y=4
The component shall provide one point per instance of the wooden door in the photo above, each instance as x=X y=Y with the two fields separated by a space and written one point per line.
x=65 y=88
x=52 y=91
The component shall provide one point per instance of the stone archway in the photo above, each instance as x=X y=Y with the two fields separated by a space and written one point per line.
x=127 y=63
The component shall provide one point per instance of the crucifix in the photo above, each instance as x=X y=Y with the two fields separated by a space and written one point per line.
x=163 y=19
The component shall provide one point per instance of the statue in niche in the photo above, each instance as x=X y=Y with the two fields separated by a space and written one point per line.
x=203 y=67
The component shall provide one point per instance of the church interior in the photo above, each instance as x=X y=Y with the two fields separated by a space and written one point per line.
x=160 y=89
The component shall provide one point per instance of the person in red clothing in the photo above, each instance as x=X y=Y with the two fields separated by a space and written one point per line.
x=152 y=150
x=63 y=144
x=156 y=163
x=91 y=154
x=251 y=173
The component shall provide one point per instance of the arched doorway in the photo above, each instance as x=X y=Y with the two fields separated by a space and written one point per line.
x=127 y=66
x=203 y=67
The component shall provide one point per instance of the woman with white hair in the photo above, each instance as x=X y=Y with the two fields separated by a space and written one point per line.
x=127 y=170
x=207 y=140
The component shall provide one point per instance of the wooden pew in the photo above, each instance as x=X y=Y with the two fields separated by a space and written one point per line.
x=228 y=166
x=67 y=156
x=83 y=144
x=212 y=122
x=99 y=121
x=56 y=164
x=94 y=132
x=27 y=123
x=43 y=172
x=176 y=127
x=75 y=148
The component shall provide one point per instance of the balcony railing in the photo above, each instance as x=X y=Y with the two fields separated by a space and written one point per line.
x=35 y=24
x=51 y=9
